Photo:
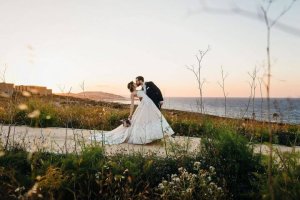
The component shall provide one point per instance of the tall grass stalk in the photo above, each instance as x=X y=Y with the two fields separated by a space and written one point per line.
x=222 y=86
x=197 y=72
x=269 y=25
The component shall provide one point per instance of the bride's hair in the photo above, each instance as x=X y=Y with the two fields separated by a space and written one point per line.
x=130 y=86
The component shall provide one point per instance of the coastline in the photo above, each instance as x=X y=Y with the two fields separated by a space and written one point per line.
x=196 y=113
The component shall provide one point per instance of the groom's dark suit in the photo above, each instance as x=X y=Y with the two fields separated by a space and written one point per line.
x=153 y=92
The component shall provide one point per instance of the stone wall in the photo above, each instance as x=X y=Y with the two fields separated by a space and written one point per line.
x=39 y=90
x=6 y=89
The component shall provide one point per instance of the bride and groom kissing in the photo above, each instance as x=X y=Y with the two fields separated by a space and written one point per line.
x=146 y=123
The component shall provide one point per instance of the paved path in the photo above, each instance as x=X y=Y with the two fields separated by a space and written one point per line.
x=61 y=140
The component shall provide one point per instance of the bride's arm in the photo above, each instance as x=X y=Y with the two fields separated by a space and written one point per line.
x=132 y=105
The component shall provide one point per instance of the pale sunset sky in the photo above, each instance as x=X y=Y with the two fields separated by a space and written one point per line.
x=107 y=43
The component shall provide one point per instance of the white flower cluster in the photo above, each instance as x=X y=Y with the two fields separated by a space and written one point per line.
x=187 y=185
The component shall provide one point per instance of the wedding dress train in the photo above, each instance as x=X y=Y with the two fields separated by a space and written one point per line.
x=147 y=124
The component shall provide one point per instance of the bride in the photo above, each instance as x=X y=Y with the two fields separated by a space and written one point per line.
x=147 y=123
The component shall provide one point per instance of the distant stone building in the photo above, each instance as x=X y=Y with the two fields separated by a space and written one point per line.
x=39 y=90
x=49 y=91
x=6 y=89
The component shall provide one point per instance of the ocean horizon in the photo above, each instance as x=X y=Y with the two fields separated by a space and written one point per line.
x=284 y=110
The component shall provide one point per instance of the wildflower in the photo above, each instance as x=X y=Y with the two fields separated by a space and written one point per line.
x=97 y=175
x=26 y=94
x=209 y=178
x=20 y=189
x=177 y=180
x=185 y=174
x=22 y=106
x=180 y=169
x=197 y=165
x=189 y=190
x=118 y=177
x=161 y=186
x=106 y=167
x=125 y=171
x=34 y=114
x=164 y=182
x=212 y=184
x=173 y=176
x=211 y=168
x=33 y=190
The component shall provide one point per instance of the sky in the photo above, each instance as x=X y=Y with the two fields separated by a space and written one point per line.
x=107 y=43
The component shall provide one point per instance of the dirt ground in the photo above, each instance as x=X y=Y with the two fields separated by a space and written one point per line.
x=60 y=140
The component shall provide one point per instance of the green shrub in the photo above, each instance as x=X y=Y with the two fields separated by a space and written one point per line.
x=15 y=167
x=288 y=138
x=192 y=128
x=46 y=118
x=264 y=135
x=113 y=120
x=21 y=118
x=286 y=177
x=234 y=160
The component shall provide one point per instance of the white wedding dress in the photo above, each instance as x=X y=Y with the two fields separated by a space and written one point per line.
x=147 y=124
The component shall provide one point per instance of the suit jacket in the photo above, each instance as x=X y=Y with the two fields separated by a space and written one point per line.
x=154 y=93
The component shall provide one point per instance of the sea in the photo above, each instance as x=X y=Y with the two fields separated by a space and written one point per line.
x=283 y=110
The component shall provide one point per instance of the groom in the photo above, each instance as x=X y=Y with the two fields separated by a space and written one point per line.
x=151 y=90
